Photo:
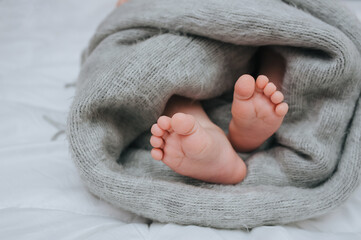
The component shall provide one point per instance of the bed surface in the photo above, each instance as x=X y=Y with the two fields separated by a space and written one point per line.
x=41 y=194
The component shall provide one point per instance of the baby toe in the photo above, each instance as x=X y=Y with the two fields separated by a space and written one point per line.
x=244 y=87
x=183 y=124
x=269 y=89
x=156 y=130
x=164 y=123
x=157 y=154
x=281 y=109
x=156 y=142
x=277 y=97
x=261 y=82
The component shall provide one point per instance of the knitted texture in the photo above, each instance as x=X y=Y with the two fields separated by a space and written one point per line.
x=146 y=51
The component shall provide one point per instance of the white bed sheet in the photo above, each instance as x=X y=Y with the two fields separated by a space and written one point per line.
x=41 y=194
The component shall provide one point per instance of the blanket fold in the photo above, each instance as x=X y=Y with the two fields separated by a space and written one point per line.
x=146 y=51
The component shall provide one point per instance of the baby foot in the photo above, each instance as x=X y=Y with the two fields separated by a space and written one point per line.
x=257 y=112
x=195 y=150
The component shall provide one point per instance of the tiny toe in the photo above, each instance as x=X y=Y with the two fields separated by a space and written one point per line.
x=156 y=142
x=157 y=131
x=269 y=89
x=277 y=97
x=244 y=87
x=157 y=154
x=164 y=122
x=261 y=82
x=281 y=109
x=184 y=124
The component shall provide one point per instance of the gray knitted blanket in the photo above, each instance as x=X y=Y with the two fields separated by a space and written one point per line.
x=146 y=51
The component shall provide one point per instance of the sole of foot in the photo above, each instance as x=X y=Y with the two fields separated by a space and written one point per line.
x=258 y=111
x=199 y=151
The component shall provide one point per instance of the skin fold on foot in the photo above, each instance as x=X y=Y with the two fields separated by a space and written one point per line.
x=200 y=151
x=257 y=112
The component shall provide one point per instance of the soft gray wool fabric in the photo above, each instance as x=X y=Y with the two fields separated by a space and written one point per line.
x=146 y=51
